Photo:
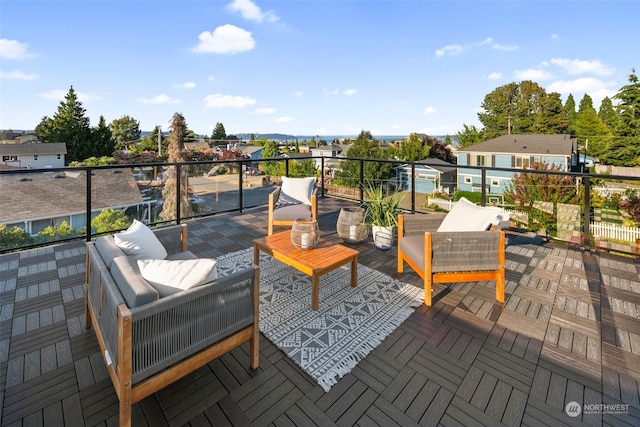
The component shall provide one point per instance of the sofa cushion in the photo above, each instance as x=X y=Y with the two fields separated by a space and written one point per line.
x=134 y=289
x=291 y=212
x=467 y=216
x=413 y=247
x=299 y=189
x=108 y=250
x=139 y=242
x=172 y=276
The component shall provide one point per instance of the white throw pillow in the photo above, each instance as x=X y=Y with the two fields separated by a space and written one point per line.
x=172 y=276
x=467 y=216
x=139 y=242
x=298 y=188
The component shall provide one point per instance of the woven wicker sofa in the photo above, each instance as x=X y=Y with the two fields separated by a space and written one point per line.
x=148 y=345
x=446 y=257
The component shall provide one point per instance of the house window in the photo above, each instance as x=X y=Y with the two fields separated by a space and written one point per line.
x=495 y=182
x=523 y=162
x=9 y=158
x=58 y=156
x=35 y=157
x=468 y=180
x=483 y=160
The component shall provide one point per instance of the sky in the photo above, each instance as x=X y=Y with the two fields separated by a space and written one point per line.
x=305 y=67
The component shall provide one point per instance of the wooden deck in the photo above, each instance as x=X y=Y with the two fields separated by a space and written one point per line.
x=569 y=331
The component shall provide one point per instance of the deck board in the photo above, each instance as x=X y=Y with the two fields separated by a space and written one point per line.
x=569 y=330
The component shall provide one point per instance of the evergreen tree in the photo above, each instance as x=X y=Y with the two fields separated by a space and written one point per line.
x=629 y=109
x=103 y=144
x=572 y=114
x=590 y=130
x=177 y=154
x=219 y=134
x=551 y=118
x=69 y=125
x=469 y=136
x=607 y=114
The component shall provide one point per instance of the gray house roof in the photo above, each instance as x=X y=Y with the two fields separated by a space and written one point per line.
x=532 y=144
x=53 y=194
x=30 y=148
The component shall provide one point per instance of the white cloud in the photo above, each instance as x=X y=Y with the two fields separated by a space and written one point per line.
x=429 y=110
x=219 y=100
x=452 y=49
x=486 y=41
x=284 y=119
x=249 y=10
x=159 y=99
x=579 y=66
x=494 y=76
x=589 y=85
x=532 y=74
x=330 y=92
x=225 y=39
x=59 y=94
x=13 y=49
x=264 y=110
x=185 y=85
x=350 y=92
x=555 y=36
x=17 y=75
x=298 y=93
x=504 y=47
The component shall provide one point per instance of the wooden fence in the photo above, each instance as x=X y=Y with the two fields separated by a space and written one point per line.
x=615 y=232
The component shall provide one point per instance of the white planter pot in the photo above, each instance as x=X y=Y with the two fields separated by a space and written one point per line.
x=382 y=236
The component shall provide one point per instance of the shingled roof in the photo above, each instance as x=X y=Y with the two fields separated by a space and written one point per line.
x=532 y=144
x=31 y=196
x=30 y=148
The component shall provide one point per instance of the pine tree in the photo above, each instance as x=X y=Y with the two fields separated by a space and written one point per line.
x=177 y=154
x=103 y=143
x=572 y=114
x=68 y=125
x=629 y=108
x=607 y=114
x=219 y=134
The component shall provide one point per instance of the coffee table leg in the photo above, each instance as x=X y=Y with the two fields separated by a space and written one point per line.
x=354 y=272
x=256 y=255
x=315 y=291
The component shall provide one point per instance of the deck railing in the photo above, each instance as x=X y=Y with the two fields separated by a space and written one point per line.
x=243 y=187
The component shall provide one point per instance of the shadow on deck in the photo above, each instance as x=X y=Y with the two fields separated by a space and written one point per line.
x=569 y=331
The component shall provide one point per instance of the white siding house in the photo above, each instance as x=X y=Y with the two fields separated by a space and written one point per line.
x=34 y=155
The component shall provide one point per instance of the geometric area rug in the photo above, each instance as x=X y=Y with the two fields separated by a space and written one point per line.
x=350 y=322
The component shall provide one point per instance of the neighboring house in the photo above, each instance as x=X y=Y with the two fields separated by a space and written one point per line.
x=512 y=152
x=34 y=155
x=254 y=152
x=197 y=146
x=330 y=153
x=437 y=175
x=34 y=201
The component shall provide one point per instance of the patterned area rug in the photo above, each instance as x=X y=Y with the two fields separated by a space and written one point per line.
x=349 y=323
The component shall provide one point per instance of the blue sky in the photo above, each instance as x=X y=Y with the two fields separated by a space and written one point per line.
x=305 y=67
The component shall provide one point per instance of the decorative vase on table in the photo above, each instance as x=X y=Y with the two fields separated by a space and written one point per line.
x=351 y=227
x=305 y=233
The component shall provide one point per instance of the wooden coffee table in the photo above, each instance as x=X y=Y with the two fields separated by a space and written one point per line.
x=319 y=260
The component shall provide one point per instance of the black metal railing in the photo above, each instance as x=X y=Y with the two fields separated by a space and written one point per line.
x=243 y=187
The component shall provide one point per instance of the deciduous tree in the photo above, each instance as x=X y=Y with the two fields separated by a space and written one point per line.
x=125 y=131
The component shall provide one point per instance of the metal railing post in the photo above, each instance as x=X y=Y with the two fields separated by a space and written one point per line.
x=361 y=180
x=178 y=191
x=88 y=198
x=587 y=212
x=240 y=190
x=483 y=200
x=413 y=187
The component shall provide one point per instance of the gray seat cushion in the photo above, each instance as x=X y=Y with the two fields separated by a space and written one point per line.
x=181 y=256
x=134 y=289
x=413 y=247
x=291 y=212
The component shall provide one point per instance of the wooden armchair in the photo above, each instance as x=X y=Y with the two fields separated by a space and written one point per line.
x=287 y=203
x=449 y=256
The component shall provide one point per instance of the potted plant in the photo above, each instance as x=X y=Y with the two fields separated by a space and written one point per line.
x=382 y=211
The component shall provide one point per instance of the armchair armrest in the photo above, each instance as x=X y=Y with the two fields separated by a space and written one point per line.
x=417 y=224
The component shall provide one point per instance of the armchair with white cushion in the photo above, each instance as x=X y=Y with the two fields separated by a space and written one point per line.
x=295 y=198
x=465 y=245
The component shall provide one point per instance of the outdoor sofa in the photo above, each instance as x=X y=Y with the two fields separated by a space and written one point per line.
x=149 y=341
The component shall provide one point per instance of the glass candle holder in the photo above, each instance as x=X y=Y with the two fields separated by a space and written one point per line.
x=350 y=227
x=305 y=233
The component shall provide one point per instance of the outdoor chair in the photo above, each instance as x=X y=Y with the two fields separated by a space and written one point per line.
x=295 y=198
x=458 y=247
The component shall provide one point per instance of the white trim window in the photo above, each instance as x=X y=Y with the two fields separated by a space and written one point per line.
x=495 y=182
x=522 y=162
x=468 y=180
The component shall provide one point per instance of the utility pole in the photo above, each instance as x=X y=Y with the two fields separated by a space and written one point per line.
x=508 y=125
x=159 y=141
